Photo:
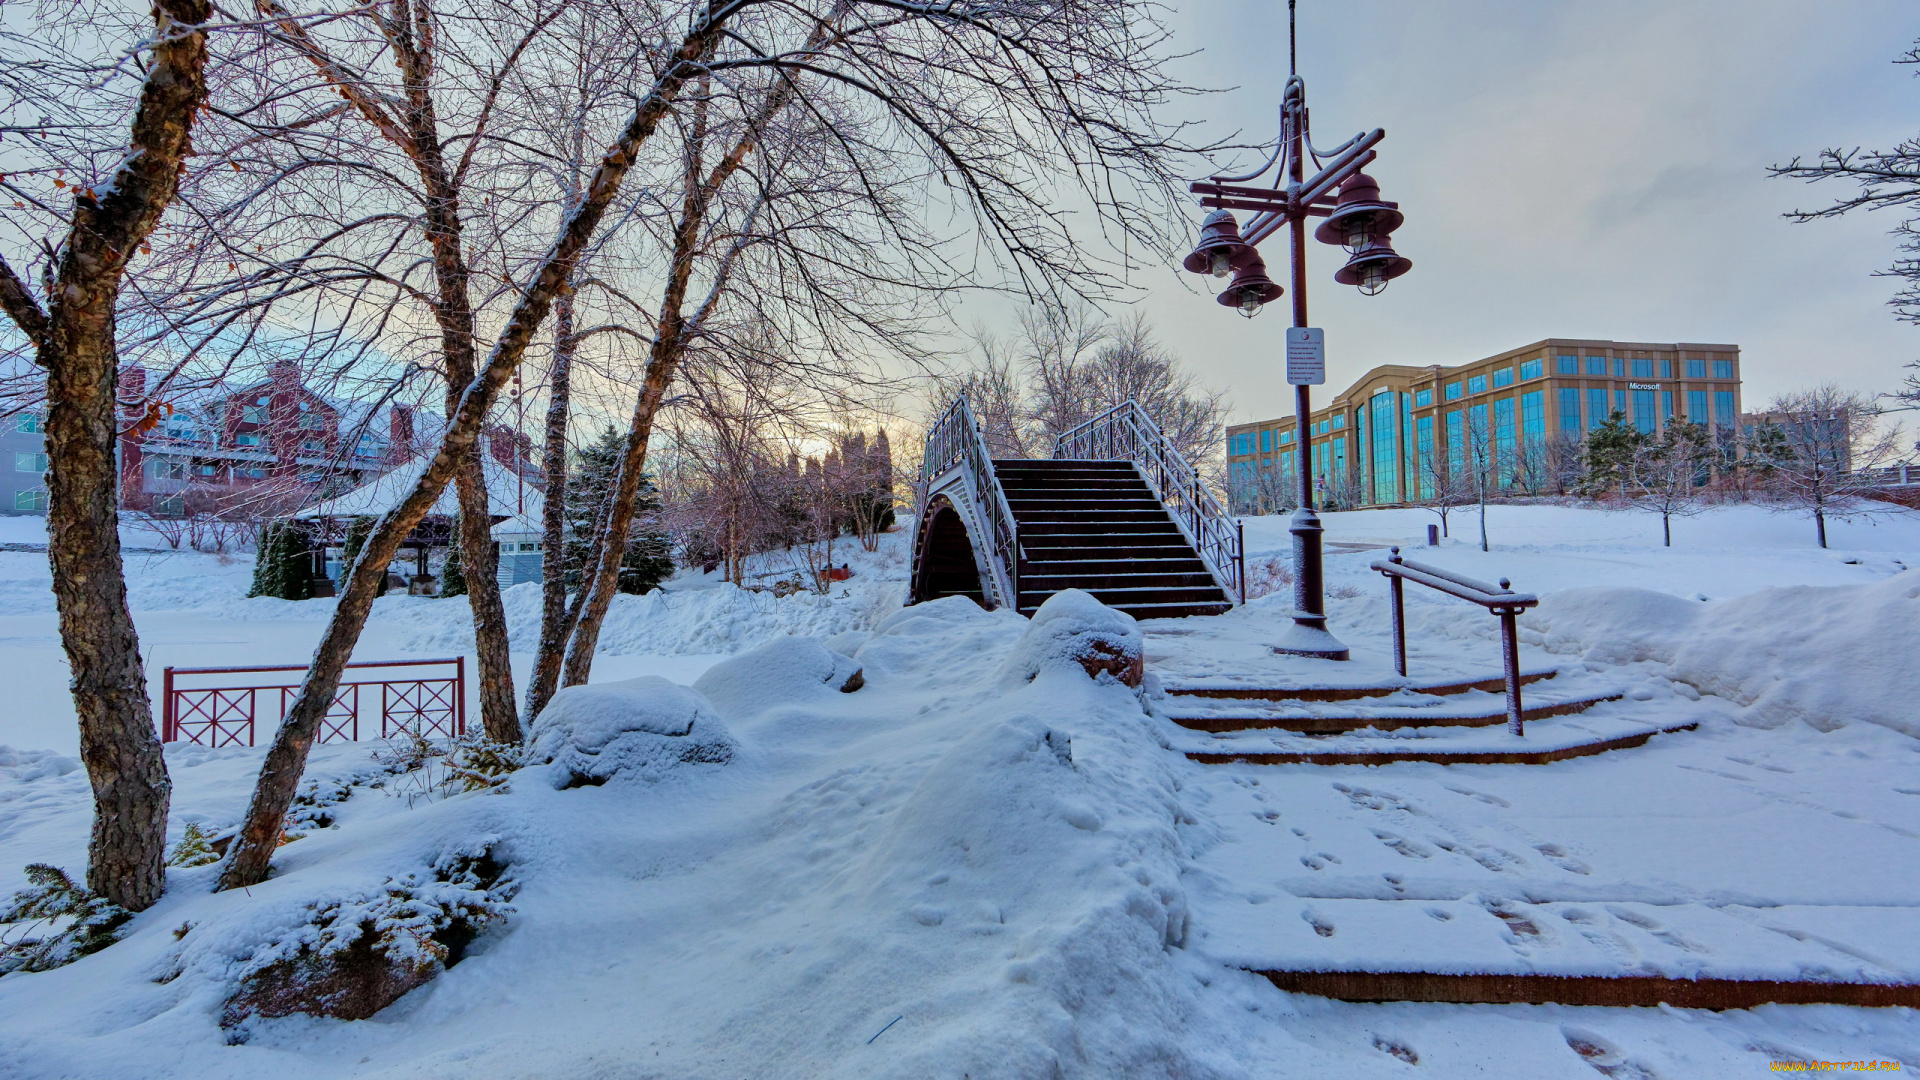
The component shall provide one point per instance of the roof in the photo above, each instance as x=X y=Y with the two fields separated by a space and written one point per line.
x=508 y=494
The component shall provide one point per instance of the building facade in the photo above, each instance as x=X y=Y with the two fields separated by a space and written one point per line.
x=1404 y=434
x=256 y=449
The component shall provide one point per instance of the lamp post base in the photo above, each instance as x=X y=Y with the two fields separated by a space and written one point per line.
x=1304 y=639
x=1308 y=636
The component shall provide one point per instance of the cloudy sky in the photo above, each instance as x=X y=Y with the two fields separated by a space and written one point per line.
x=1584 y=169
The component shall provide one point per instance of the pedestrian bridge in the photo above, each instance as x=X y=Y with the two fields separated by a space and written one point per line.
x=1116 y=511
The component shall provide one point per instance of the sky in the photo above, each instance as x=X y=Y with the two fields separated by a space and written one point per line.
x=1592 y=170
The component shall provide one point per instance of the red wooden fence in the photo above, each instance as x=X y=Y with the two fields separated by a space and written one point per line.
x=229 y=715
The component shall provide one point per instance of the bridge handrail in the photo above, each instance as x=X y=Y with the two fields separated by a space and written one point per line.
x=1126 y=432
x=956 y=440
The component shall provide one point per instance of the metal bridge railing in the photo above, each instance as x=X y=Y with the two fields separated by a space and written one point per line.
x=1126 y=433
x=956 y=440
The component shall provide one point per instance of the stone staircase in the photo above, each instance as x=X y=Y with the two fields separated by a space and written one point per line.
x=1097 y=526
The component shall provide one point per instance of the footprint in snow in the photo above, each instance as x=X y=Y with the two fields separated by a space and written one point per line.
x=1559 y=857
x=1320 y=925
x=1397 y=1049
x=1404 y=846
x=1318 y=860
x=1490 y=800
x=1606 y=1059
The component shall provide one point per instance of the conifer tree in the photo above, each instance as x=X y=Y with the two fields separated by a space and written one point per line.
x=283 y=567
x=1611 y=449
x=648 y=560
x=453 y=578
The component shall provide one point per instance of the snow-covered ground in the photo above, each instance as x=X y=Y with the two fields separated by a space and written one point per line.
x=952 y=872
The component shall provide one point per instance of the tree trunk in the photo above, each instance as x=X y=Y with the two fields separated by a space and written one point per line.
x=1666 y=529
x=127 y=854
x=481 y=566
x=1820 y=524
x=555 y=623
x=74 y=342
x=251 y=856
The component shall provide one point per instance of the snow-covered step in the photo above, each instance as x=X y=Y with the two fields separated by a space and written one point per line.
x=1404 y=710
x=1367 y=685
x=1485 y=947
x=1553 y=740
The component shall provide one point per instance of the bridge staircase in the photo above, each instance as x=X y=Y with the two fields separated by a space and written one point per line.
x=1117 y=512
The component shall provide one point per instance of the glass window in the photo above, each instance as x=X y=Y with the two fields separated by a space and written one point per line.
x=207 y=470
x=1453 y=391
x=1266 y=442
x=1643 y=367
x=1503 y=377
x=1477 y=384
x=1697 y=404
x=29 y=462
x=1531 y=369
x=28 y=423
x=1619 y=367
x=35 y=501
x=1503 y=434
x=1666 y=406
x=253 y=471
x=1643 y=410
x=1596 y=365
x=1620 y=402
x=1570 y=409
x=1386 y=486
x=1596 y=407
x=1666 y=369
x=1456 y=442
x=247 y=438
x=1286 y=436
x=1723 y=369
x=313 y=446
x=1722 y=404
x=1339 y=421
x=1533 y=415
x=1424 y=466
x=1567 y=365
x=1422 y=398
x=312 y=422
x=1696 y=369
x=253 y=414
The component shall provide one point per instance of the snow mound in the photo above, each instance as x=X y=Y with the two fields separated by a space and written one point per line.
x=1074 y=629
x=786 y=671
x=1827 y=656
x=645 y=727
x=24 y=766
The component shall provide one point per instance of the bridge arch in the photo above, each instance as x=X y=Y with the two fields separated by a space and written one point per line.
x=945 y=561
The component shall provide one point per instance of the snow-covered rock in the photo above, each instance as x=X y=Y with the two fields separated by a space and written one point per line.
x=786 y=671
x=644 y=727
x=1072 y=628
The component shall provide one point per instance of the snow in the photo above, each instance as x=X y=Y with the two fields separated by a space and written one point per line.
x=1063 y=630
x=955 y=871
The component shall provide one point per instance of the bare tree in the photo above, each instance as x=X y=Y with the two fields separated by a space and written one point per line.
x=1819 y=447
x=74 y=341
x=1664 y=475
x=1447 y=486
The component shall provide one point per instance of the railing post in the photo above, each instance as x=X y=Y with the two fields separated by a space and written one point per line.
x=166 y=706
x=1240 y=557
x=1510 y=652
x=459 y=697
x=1398 y=589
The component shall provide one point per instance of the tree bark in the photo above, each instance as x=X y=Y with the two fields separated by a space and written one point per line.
x=252 y=853
x=555 y=623
x=74 y=342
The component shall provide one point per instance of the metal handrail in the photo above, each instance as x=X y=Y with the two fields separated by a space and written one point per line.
x=956 y=440
x=1126 y=433
x=1499 y=599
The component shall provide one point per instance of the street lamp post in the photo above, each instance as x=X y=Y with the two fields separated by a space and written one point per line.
x=1357 y=219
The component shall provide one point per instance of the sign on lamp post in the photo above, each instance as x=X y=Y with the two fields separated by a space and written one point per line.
x=1306 y=356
